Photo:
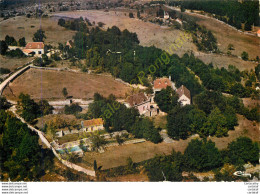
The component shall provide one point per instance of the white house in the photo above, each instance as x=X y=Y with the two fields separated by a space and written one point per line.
x=184 y=95
x=34 y=48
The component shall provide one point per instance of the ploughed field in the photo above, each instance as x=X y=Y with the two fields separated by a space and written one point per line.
x=48 y=84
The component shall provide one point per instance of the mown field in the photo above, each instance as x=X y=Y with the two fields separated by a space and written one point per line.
x=48 y=84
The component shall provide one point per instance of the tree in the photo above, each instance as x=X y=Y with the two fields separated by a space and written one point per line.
x=197 y=118
x=22 y=42
x=72 y=109
x=131 y=15
x=65 y=92
x=138 y=14
x=4 y=104
x=215 y=125
x=202 y=155
x=95 y=165
x=39 y=36
x=10 y=41
x=97 y=141
x=244 y=56
x=166 y=99
x=178 y=123
x=61 y=22
x=3 y=47
x=38 y=62
x=243 y=149
x=30 y=110
x=231 y=47
x=45 y=107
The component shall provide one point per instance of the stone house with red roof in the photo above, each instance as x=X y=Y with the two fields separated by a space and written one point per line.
x=162 y=83
x=34 y=48
x=140 y=101
x=92 y=125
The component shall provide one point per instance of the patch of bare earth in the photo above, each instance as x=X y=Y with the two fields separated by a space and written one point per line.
x=48 y=84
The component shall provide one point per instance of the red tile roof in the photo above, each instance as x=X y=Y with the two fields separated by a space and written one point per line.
x=27 y=51
x=183 y=91
x=162 y=83
x=93 y=122
x=35 y=45
x=136 y=99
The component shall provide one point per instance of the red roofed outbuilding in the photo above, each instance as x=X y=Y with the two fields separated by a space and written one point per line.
x=34 y=47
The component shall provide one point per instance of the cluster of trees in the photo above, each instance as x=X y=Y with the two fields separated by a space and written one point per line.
x=30 y=110
x=10 y=41
x=75 y=25
x=199 y=156
x=22 y=158
x=72 y=109
x=224 y=80
x=202 y=38
x=122 y=118
x=232 y=12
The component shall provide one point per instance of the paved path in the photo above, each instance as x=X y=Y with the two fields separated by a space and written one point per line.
x=12 y=77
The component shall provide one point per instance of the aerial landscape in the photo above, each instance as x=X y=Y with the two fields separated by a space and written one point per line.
x=129 y=90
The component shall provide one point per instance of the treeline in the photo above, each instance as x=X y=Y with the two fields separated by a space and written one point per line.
x=118 y=117
x=211 y=115
x=76 y=24
x=232 y=12
x=30 y=110
x=10 y=41
x=22 y=158
x=224 y=80
x=203 y=155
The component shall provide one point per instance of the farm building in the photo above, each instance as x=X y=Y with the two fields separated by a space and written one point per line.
x=34 y=48
x=140 y=101
x=92 y=125
x=162 y=83
x=184 y=95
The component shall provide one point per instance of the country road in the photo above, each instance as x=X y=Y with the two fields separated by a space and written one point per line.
x=12 y=77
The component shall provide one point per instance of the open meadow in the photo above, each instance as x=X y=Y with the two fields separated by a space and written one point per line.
x=48 y=84
x=117 y=156
x=162 y=37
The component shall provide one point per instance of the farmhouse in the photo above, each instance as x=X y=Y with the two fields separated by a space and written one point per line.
x=162 y=83
x=36 y=48
x=139 y=101
x=258 y=33
x=184 y=95
x=92 y=125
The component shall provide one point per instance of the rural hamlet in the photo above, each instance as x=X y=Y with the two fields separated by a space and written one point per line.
x=129 y=91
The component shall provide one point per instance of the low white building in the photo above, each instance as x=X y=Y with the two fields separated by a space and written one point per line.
x=184 y=95
x=92 y=125
x=34 y=48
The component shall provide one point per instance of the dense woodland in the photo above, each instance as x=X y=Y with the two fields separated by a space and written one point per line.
x=232 y=12
x=202 y=156
x=22 y=158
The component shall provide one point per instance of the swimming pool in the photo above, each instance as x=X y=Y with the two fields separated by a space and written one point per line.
x=72 y=149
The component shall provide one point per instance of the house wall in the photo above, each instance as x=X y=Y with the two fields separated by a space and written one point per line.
x=143 y=107
x=37 y=51
x=184 y=100
x=94 y=128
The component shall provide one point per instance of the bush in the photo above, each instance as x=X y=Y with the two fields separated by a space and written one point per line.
x=244 y=55
x=72 y=109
